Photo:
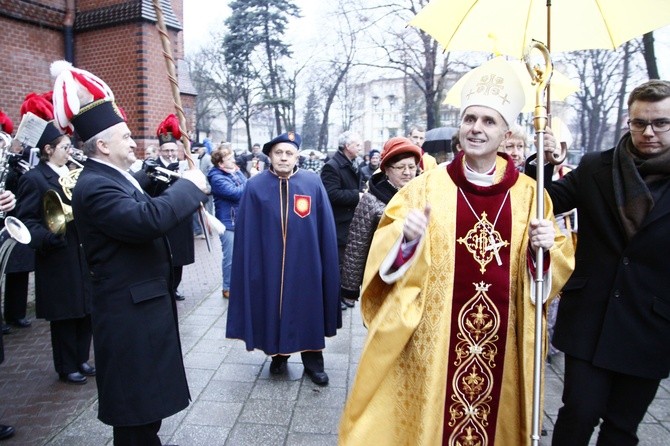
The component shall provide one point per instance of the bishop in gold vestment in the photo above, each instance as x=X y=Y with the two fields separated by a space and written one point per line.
x=449 y=354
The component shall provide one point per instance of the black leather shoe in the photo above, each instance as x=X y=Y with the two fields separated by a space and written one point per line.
x=86 y=369
x=20 y=323
x=318 y=378
x=348 y=302
x=343 y=306
x=73 y=378
x=6 y=329
x=179 y=296
x=6 y=432
x=278 y=365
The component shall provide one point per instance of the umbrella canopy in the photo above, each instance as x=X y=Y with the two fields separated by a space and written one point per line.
x=440 y=133
x=507 y=27
x=561 y=86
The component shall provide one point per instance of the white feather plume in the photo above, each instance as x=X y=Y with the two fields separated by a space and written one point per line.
x=69 y=95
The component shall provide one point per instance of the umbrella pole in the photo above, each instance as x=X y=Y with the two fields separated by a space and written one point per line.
x=541 y=78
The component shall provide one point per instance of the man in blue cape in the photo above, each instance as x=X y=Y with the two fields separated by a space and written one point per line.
x=284 y=295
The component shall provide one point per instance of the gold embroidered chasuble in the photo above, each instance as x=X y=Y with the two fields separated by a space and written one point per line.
x=422 y=342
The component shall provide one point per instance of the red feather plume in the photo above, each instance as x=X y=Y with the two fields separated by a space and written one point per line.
x=169 y=125
x=6 y=124
x=38 y=105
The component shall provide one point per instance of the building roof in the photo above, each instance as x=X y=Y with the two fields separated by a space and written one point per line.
x=126 y=12
x=184 y=78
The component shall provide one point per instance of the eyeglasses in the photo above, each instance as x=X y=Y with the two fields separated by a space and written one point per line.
x=402 y=168
x=65 y=146
x=657 y=125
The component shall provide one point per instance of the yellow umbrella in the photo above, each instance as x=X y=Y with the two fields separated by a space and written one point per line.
x=507 y=26
x=561 y=85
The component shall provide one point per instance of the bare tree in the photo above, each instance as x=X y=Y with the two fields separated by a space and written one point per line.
x=409 y=50
x=333 y=71
x=650 y=55
x=600 y=74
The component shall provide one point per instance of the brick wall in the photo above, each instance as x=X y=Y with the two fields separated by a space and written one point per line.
x=128 y=56
x=25 y=66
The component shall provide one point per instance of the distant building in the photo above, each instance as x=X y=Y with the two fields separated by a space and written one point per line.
x=387 y=107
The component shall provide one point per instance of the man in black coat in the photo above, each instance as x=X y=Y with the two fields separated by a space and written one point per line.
x=141 y=377
x=341 y=178
x=614 y=314
x=181 y=236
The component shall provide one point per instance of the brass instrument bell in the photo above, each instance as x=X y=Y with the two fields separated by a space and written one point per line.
x=56 y=213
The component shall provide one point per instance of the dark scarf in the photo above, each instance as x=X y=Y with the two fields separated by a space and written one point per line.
x=636 y=181
x=381 y=188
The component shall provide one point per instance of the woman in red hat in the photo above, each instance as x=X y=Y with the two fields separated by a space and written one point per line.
x=399 y=161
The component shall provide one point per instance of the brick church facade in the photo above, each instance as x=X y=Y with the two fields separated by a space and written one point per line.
x=115 y=39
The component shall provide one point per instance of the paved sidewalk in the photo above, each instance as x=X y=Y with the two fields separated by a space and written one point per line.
x=235 y=400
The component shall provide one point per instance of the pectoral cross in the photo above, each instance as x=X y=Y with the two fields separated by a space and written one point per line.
x=495 y=247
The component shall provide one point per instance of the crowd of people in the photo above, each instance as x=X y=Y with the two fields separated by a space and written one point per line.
x=439 y=258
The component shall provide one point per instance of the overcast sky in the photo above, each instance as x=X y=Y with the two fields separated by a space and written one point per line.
x=201 y=17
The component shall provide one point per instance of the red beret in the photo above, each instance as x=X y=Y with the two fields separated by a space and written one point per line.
x=396 y=146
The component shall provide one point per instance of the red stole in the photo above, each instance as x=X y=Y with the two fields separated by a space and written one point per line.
x=480 y=308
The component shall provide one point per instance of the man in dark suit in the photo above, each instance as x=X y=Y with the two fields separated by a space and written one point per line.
x=614 y=315
x=341 y=178
x=141 y=377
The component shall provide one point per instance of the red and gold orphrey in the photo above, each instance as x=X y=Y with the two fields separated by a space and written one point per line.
x=478 y=336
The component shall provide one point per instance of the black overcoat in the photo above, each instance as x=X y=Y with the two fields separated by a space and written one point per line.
x=615 y=309
x=62 y=288
x=140 y=371
x=22 y=257
x=181 y=236
x=342 y=183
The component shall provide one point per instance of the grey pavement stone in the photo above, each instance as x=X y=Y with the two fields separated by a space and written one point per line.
x=276 y=390
x=197 y=380
x=237 y=372
x=213 y=413
x=203 y=360
x=267 y=412
x=327 y=396
x=191 y=434
x=336 y=378
x=300 y=439
x=254 y=434
x=316 y=420
x=226 y=391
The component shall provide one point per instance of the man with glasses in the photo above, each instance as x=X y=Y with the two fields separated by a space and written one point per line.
x=180 y=237
x=614 y=315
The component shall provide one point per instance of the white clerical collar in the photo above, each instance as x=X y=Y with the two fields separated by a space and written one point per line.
x=480 y=179
x=60 y=170
x=125 y=173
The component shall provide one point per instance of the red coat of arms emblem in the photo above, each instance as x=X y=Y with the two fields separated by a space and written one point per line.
x=302 y=205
